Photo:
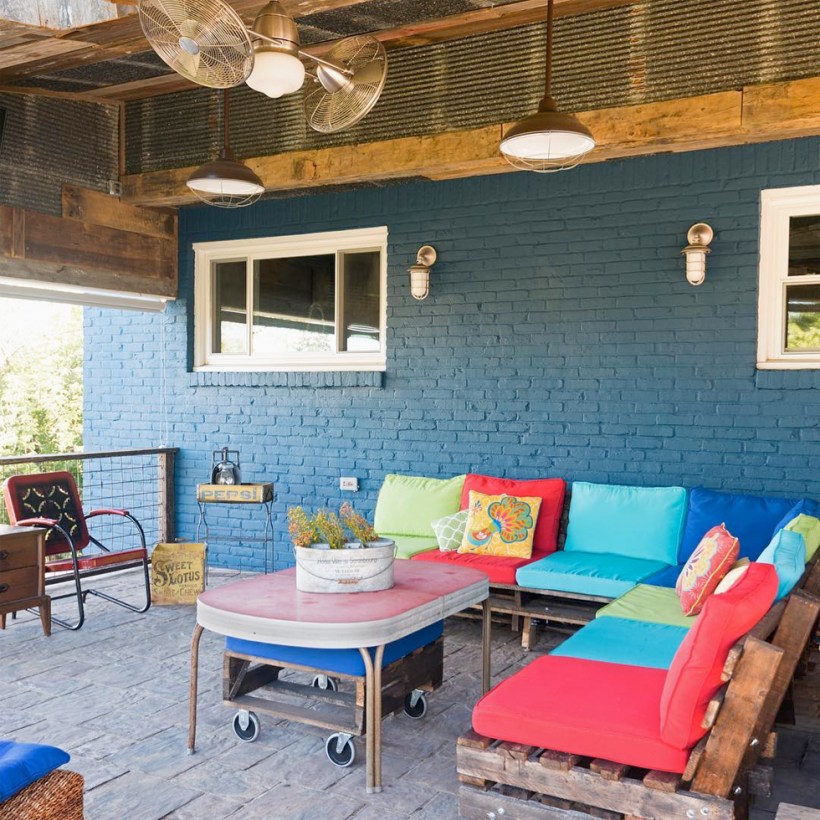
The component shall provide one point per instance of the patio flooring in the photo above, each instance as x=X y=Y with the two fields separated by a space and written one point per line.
x=115 y=695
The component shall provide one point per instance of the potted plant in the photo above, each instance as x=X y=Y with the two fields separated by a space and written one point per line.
x=339 y=552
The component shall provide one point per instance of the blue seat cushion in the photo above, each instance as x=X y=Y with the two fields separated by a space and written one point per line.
x=751 y=519
x=23 y=763
x=787 y=552
x=637 y=522
x=342 y=661
x=587 y=573
x=618 y=640
x=667 y=577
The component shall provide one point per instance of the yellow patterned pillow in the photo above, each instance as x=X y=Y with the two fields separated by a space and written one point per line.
x=500 y=525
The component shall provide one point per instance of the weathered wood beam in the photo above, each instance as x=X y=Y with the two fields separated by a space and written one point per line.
x=755 y=114
x=60 y=14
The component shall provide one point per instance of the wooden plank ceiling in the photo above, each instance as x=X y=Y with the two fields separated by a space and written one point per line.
x=110 y=61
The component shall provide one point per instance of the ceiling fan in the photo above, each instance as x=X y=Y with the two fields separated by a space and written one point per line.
x=207 y=42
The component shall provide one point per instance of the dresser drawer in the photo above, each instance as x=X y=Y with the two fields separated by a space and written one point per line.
x=17 y=584
x=18 y=551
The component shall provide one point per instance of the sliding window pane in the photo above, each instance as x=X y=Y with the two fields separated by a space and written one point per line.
x=294 y=305
x=230 y=321
x=802 y=318
x=804 y=245
x=361 y=307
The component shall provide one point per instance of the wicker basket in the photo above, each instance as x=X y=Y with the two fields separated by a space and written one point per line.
x=57 y=796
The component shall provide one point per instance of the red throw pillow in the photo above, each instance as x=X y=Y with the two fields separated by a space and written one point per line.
x=694 y=675
x=550 y=490
x=704 y=570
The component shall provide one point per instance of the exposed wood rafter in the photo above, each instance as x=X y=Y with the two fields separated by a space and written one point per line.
x=755 y=114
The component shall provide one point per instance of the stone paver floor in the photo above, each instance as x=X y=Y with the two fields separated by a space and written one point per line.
x=114 y=695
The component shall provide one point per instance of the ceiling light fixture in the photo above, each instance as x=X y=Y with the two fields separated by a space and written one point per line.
x=208 y=43
x=547 y=140
x=225 y=182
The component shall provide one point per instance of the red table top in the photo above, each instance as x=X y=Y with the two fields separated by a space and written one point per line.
x=269 y=608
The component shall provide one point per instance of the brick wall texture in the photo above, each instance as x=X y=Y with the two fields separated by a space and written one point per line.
x=560 y=337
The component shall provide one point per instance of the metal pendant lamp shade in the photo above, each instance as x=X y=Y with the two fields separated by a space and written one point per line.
x=547 y=140
x=225 y=182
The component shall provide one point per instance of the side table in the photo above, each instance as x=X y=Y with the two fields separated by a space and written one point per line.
x=260 y=494
x=22 y=573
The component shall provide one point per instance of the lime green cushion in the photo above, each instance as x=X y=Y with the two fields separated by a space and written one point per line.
x=407 y=505
x=658 y=605
x=809 y=527
x=409 y=545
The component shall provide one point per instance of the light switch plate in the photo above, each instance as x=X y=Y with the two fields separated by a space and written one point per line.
x=349 y=483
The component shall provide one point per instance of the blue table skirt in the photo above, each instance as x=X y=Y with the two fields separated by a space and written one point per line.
x=341 y=661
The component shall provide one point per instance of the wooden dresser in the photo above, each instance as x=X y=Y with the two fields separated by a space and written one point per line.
x=22 y=573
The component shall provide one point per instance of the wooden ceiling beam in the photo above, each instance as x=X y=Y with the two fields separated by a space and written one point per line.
x=426 y=32
x=754 y=114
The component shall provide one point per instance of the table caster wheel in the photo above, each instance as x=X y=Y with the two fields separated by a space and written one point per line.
x=415 y=704
x=340 y=750
x=246 y=726
x=326 y=683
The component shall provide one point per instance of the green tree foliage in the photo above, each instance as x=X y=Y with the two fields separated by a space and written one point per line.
x=41 y=377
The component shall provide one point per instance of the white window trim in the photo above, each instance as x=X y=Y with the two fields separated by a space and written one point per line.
x=206 y=253
x=776 y=206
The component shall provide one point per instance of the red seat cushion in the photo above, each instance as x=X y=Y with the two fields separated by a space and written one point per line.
x=501 y=570
x=550 y=490
x=694 y=676
x=585 y=707
x=100 y=559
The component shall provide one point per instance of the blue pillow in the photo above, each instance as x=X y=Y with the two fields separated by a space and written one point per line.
x=23 y=763
x=635 y=522
x=751 y=519
x=787 y=552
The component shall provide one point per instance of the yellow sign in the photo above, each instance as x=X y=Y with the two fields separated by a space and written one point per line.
x=178 y=573
x=234 y=493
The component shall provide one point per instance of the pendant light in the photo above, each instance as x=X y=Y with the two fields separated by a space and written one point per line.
x=547 y=140
x=225 y=182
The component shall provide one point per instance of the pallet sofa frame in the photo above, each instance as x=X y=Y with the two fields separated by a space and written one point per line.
x=510 y=780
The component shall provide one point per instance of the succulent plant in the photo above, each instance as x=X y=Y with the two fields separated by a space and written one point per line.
x=330 y=527
x=357 y=524
x=301 y=528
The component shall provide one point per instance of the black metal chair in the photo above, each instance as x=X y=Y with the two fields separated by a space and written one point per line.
x=51 y=500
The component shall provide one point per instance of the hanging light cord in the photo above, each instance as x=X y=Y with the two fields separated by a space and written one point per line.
x=548 y=77
x=226 y=112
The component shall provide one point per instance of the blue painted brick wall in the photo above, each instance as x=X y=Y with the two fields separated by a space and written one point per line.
x=560 y=338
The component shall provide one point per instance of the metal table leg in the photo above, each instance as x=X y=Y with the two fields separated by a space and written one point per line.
x=194 y=682
x=373 y=714
x=486 y=640
x=203 y=522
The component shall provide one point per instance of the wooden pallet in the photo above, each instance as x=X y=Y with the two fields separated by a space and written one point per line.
x=511 y=780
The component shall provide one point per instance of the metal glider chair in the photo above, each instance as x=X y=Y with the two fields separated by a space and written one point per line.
x=51 y=500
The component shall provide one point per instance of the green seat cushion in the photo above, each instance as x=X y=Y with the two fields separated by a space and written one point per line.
x=621 y=640
x=407 y=505
x=637 y=522
x=586 y=573
x=409 y=545
x=809 y=527
x=659 y=605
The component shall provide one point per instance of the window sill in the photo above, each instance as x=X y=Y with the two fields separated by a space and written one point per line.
x=291 y=379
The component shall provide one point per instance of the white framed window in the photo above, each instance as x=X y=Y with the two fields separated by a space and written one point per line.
x=788 y=323
x=305 y=302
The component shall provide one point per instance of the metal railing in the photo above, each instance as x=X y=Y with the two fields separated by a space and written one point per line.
x=140 y=481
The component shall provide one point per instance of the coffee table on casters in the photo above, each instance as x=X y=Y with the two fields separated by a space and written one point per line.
x=269 y=609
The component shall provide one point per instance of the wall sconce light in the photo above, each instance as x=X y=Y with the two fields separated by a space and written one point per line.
x=420 y=272
x=699 y=236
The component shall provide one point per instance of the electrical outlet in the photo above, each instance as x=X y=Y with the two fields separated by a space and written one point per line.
x=349 y=483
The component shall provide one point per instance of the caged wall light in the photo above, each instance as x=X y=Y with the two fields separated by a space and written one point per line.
x=420 y=272
x=699 y=236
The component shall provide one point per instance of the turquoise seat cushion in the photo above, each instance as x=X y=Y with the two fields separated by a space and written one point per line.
x=587 y=573
x=751 y=519
x=787 y=552
x=341 y=661
x=21 y=764
x=618 y=640
x=636 y=522
x=659 y=605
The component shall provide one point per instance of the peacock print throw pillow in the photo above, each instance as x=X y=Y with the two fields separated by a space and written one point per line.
x=502 y=525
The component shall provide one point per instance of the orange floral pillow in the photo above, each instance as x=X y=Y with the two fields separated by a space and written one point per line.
x=704 y=570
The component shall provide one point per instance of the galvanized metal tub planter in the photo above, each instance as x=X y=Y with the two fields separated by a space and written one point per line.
x=352 y=569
